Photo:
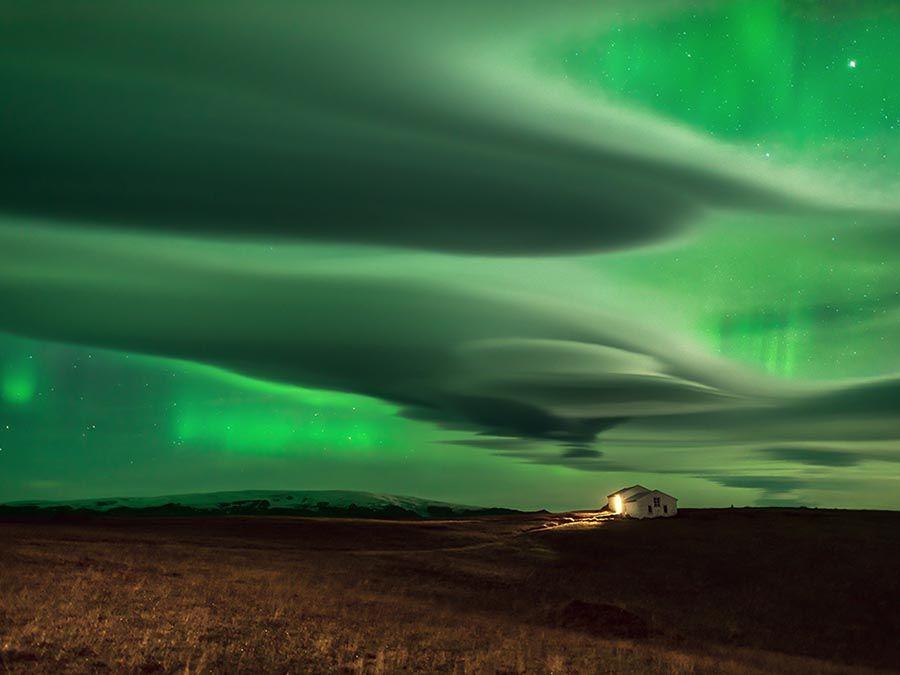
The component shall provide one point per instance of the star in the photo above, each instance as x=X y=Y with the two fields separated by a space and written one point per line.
x=852 y=63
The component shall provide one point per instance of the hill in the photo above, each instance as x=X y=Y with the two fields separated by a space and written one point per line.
x=331 y=503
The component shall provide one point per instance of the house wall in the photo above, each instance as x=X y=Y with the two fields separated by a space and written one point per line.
x=672 y=503
x=625 y=494
x=638 y=508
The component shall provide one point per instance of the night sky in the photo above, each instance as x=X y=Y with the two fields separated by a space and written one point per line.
x=499 y=253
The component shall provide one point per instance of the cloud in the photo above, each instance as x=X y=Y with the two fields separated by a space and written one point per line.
x=774 y=485
x=814 y=456
x=475 y=358
x=498 y=444
x=437 y=349
x=388 y=126
x=851 y=411
x=581 y=453
x=368 y=125
x=776 y=490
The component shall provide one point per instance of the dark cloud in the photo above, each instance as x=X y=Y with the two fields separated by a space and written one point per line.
x=814 y=456
x=581 y=453
x=771 y=485
x=876 y=398
x=860 y=410
x=499 y=444
x=508 y=416
x=359 y=125
x=338 y=126
x=421 y=345
x=440 y=350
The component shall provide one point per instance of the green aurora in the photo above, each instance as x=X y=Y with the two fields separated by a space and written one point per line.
x=514 y=257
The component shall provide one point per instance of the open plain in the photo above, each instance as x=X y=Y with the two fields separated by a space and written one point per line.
x=731 y=590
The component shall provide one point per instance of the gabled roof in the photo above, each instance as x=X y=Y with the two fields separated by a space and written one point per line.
x=626 y=489
x=640 y=495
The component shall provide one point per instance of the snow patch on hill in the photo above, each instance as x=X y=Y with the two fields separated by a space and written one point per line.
x=301 y=502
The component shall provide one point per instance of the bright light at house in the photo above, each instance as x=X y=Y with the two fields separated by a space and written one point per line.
x=617 y=504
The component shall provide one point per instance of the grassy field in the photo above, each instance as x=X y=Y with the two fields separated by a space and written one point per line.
x=731 y=591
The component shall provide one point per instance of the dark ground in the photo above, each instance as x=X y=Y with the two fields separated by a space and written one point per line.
x=732 y=590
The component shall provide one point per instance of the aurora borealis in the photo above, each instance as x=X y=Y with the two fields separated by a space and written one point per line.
x=500 y=253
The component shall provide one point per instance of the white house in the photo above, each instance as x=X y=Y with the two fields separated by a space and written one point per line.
x=639 y=502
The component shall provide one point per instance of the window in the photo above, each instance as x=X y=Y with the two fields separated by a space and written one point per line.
x=649 y=508
x=656 y=502
x=665 y=508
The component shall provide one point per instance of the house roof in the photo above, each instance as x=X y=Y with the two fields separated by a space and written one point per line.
x=626 y=489
x=639 y=495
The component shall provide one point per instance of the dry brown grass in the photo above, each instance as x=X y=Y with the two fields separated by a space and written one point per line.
x=296 y=595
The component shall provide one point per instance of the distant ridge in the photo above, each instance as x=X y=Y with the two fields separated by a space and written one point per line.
x=330 y=503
